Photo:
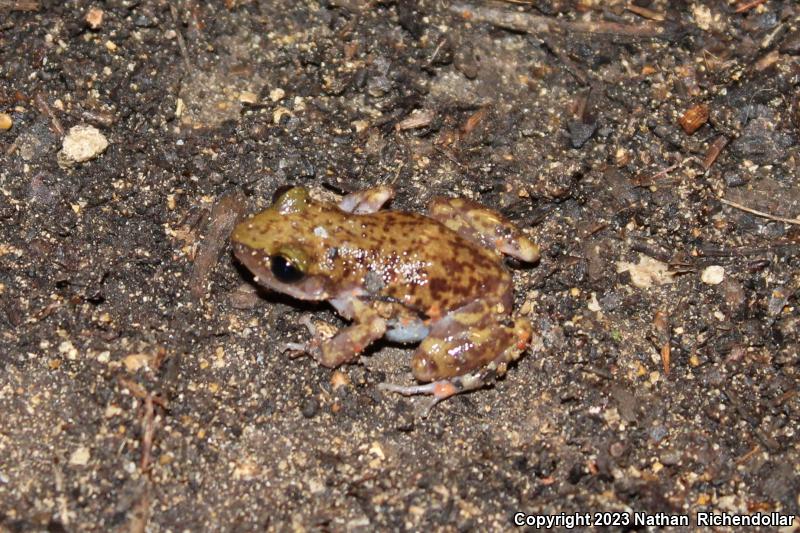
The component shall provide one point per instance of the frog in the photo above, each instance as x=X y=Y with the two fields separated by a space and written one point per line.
x=436 y=279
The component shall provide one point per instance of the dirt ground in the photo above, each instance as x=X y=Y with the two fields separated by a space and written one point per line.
x=652 y=149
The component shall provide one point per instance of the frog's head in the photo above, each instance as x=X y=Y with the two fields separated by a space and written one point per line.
x=284 y=245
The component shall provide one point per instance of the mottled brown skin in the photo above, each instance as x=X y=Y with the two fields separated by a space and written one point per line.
x=391 y=271
x=416 y=260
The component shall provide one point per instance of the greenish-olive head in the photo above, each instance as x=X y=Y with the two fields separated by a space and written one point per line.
x=284 y=244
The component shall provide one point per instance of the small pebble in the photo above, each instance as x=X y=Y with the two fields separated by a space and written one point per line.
x=734 y=179
x=339 y=379
x=276 y=95
x=94 y=18
x=694 y=118
x=248 y=97
x=82 y=143
x=80 y=457
x=713 y=275
x=5 y=122
x=310 y=408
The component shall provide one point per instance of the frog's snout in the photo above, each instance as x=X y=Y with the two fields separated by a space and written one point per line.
x=250 y=257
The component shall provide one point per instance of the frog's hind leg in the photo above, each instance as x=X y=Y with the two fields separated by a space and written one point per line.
x=464 y=351
x=484 y=226
x=440 y=390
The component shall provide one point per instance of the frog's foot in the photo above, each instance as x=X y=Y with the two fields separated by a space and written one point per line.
x=441 y=389
x=332 y=350
x=367 y=201
x=484 y=226
x=311 y=347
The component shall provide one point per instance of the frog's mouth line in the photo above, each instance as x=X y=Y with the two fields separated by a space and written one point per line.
x=307 y=288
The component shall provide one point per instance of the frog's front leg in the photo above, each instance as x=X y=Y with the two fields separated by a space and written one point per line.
x=366 y=201
x=349 y=342
x=484 y=226
x=464 y=351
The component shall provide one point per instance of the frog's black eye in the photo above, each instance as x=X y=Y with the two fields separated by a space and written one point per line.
x=285 y=270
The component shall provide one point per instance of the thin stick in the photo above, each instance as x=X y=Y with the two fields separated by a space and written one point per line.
x=760 y=213
x=749 y=5
x=148 y=431
x=44 y=108
x=20 y=5
x=646 y=13
x=181 y=43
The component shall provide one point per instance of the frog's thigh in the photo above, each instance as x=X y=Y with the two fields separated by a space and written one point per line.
x=467 y=339
x=484 y=226
x=367 y=327
x=366 y=201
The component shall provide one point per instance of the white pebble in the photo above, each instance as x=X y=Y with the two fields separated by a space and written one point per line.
x=80 y=457
x=713 y=275
x=82 y=143
x=276 y=95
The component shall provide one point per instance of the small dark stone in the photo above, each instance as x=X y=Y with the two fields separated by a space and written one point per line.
x=780 y=483
x=657 y=433
x=580 y=132
x=626 y=403
x=405 y=422
x=791 y=43
x=143 y=21
x=310 y=407
x=617 y=449
x=670 y=457
x=610 y=301
x=466 y=63
x=761 y=143
x=735 y=179
x=409 y=18
x=575 y=473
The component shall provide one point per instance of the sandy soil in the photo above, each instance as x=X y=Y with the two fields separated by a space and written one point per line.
x=650 y=147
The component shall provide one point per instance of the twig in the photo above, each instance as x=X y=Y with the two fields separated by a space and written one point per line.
x=148 y=431
x=760 y=213
x=646 y=13
x=436 y=52
x=44 y=107
x=536 y=24
x=572 y=67
x=418 y=118
x=713 y=151
x=749 y=455
x=140 y=512
x=641 y=182
x=20 y=5
x=749 y=5
x=224 y=215
x=181 y=43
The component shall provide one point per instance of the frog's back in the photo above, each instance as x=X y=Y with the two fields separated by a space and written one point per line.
x=418 y=261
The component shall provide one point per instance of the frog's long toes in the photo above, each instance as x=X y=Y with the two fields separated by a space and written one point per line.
x=438 y=389
x=293 y=347
x=297 y=349
x=305 y=320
